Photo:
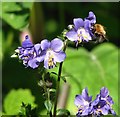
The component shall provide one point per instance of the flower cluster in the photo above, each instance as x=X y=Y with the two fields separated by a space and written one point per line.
x=102 y=105
x=81 y=31
x=33 y=54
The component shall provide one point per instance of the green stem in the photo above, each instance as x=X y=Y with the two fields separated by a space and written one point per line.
x=58 y=84
x=57 y=89
x=50 y=113
x=48 y=93
x=44 y=86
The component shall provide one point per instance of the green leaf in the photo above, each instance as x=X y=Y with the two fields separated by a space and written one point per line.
x=54 y=73
x=14 y=99
x=48 y=105
x=94 y=70
x=110 y=116
x=52 y=90
x=63 y=112
x=16 y=14
x=63 y=78
x=1 y=52
x=27 y=110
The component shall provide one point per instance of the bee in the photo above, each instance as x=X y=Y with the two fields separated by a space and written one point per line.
x=99 y=32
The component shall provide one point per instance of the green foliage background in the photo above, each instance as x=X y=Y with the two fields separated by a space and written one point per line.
x=92 y=66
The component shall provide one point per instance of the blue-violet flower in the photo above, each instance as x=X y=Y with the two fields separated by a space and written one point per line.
x=29 y=53
x=82 y=31
x=83 y=103
x=102 y=105
x=52 y=52
x=89 y=23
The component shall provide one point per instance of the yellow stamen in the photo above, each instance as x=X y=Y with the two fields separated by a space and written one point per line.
x=50 y=60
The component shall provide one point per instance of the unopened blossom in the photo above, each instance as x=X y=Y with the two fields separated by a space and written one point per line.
x=52 y=52
x=29 y=53
x=83 y=103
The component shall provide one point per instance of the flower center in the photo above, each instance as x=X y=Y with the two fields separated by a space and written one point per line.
x=82 y=35
x=86 y=103
x=50 y=58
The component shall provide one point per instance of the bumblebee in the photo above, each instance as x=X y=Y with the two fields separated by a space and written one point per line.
x=99 y=32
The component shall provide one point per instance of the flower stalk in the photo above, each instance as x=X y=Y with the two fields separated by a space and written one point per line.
x=58 y=82
x=47 y=93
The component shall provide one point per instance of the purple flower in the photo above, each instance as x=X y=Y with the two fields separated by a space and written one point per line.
x=83 y=103
x=29 y=53
x=52 y=52
x=102 y=105
x=104 y=94
x=79 y=33
x=89 y=22
x=82 y=30
x=91 y=17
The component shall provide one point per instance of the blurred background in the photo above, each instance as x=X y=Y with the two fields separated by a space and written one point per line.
x=95 y=65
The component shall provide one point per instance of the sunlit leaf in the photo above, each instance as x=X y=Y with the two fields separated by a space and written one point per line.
x=1 y=54
x=93 y=70
x=63 y=78
x=16 y=14
x=48 y=105
x=52 y=90
x=63 y=112
x=14 y=99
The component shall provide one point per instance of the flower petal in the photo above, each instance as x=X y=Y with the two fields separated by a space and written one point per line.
x=33 y=63
x=96 y=101
x=104 y=111
x=45 y=44
x=79 y=100
x=46 y=63
x=104 y=92
x=59 y=57
x=72 y=35
x=27 y=43
x=78 y=22
x=56 y=44
x=85 y=95
x=41 y=57
x=109 y=99
x=112 y=112
x=91 y=17
x=37 y=48
x=87 y=24
x=85 y=111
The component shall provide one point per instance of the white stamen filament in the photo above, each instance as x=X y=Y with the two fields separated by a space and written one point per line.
x=86 y=103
